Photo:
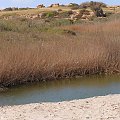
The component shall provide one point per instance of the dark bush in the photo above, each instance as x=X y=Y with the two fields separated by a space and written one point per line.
x=8 y=9
x=98 y=11
x=91 y=4
x=24 y=8
x=59 y=10
x=15 y=8
x=73 y=5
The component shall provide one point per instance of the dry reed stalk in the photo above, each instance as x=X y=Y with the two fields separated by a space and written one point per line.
x=95 y=50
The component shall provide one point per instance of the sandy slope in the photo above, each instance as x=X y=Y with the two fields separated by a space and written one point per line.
x=97 y=108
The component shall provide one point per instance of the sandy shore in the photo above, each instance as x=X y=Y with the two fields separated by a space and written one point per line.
x=96 y=108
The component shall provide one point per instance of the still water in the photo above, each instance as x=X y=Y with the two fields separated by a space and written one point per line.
x=61 y=90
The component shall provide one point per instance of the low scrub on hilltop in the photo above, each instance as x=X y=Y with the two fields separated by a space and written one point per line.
x=91 y=4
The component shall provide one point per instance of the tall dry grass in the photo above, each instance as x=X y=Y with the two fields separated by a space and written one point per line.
x=94 y=50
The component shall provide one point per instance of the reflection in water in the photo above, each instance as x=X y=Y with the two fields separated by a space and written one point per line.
x=60 y=90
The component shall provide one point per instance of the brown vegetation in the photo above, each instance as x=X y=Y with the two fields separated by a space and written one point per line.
x=28 y=56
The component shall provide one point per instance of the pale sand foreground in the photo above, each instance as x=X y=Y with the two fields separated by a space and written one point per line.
x=97 y=108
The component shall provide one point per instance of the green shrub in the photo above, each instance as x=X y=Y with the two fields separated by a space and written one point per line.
x=50 y=14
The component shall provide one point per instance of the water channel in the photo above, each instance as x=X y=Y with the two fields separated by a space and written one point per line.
x=61 y=90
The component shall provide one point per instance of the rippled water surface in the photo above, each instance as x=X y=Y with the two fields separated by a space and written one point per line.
x=61 y=90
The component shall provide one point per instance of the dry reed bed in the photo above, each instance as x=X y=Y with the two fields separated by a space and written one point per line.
x=95 y=50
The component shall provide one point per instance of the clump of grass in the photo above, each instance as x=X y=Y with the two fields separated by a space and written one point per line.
x=36 y=56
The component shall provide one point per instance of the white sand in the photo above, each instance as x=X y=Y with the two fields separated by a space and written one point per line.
x=97 y=108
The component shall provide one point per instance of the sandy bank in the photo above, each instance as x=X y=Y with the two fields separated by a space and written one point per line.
x=97 y=108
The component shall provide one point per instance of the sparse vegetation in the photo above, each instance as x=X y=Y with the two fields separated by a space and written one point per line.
x=15 y=8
